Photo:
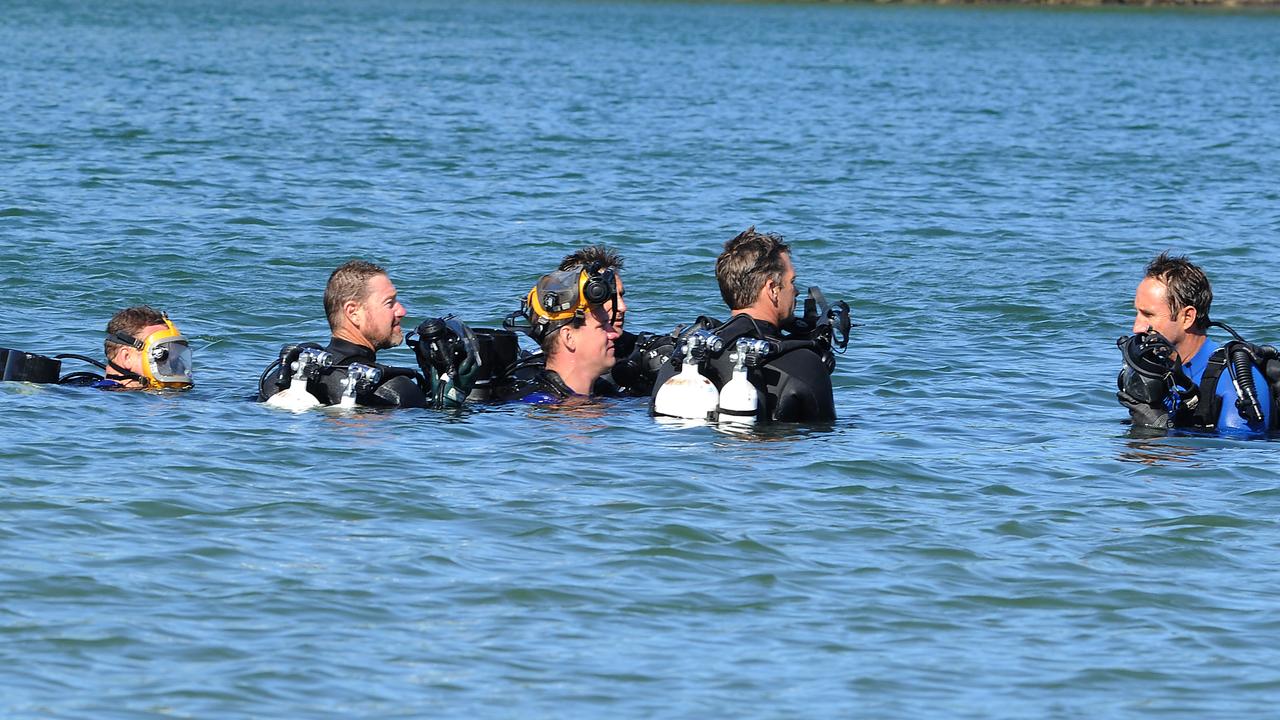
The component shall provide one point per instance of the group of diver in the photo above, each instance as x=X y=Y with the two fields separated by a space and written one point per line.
x=764 y=364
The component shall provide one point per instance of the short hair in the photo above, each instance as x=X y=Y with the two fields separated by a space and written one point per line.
x=597 y=256
x=548 y=342
x=748 y=261
x=1186 y=285
x=129 y=321
x=349 y=282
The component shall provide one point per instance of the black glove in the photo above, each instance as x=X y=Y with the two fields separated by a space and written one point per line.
x=1144 y=414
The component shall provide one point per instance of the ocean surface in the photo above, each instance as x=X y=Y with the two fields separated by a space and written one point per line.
x=979 y=536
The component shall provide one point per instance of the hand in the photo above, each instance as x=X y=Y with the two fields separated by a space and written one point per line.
x=452 y=391
x=1144 y=414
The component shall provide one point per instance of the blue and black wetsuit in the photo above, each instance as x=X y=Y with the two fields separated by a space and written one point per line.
x=1225 y=395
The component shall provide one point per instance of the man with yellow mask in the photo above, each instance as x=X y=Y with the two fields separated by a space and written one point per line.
x=145 y=351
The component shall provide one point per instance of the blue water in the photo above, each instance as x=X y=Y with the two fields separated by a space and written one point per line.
x=978 y=537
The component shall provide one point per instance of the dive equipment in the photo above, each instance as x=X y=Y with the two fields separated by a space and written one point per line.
x=305 y=362
x=823 y=321
x=560 y=297
x=689 y=394
x=19 y=366
x=359 y=380
x=498 y=351
x=166 y=357
x=1151 y=371
x=739 y=400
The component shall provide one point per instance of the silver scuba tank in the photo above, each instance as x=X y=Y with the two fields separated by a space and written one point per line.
x=739 y=402
x=359 y=379
x=688 y=394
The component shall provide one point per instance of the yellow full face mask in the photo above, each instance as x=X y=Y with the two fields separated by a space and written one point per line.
x=166 y=357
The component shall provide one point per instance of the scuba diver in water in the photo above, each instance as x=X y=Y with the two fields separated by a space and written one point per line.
x=1174 y=375
x=568 y=314
x=143 y=349
x=638 y=356
x=365 y=315
x=785 y=377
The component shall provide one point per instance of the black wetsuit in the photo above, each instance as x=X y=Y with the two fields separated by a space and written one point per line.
x=536 y=387
x=399 y=387
x=612 y=384
x=795 y=385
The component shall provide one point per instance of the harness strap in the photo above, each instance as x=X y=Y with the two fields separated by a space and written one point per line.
x=1208 y=405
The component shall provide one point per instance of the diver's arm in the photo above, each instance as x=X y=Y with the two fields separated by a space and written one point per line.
x=804 y=394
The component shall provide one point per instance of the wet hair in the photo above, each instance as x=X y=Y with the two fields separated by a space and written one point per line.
x=597 y=256
x=350 y=282
x=1186 y=285
x=749 y=261
x=129 y=321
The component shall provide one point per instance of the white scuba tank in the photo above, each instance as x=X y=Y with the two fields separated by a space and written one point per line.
x=739 y=399
x=295 y=398
x=688 y=395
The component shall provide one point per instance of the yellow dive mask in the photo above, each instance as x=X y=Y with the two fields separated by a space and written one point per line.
x=166 y=357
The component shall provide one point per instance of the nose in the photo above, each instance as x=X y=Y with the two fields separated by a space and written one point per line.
x=1138 y=325
x=399 y=310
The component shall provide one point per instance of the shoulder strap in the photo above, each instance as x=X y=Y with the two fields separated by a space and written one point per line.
x=1208 y=405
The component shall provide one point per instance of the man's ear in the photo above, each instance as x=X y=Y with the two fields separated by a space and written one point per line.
x=569 y=338
x=1187 y=317
x=353 y=312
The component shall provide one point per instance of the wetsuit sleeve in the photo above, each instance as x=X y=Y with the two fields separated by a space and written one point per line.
x=1229 y=418
x=799 y=388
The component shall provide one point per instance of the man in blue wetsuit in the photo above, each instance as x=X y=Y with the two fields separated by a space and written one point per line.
x=569 y=315
x=1200 y=384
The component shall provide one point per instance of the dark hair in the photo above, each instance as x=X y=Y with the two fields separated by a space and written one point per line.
x=349 y=282
x=597 y=256
x=747 y=263
x=1185 y=286
x=130 y=321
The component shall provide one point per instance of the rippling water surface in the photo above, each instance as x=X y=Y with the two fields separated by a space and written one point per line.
x=978 y=536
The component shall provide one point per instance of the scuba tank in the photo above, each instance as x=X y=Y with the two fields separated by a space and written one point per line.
x=739 y=402
x=306 y=364
x=689 y=394
x=360 y=379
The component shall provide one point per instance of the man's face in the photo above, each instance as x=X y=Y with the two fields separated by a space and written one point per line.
x=379 y=316
x=617 y=309
x=785 y=293
x=594 y=340
x=131 y=358
x=1152 y=305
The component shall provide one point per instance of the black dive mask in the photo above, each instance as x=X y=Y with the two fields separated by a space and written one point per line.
x=1151 y=369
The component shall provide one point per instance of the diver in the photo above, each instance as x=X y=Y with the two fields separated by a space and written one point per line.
x=364 y=315
x=791 y=373
x=567 y=314
x=639 y=356
x=1174 y=375
x=143 y=349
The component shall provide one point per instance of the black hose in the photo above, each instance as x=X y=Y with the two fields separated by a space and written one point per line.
x=1242 y=367
x=262 y=379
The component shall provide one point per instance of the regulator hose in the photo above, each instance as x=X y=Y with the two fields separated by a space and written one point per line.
x=1242 y=363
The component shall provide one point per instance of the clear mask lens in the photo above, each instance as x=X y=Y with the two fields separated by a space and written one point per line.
x=169 y=361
